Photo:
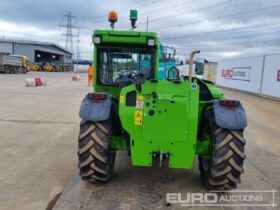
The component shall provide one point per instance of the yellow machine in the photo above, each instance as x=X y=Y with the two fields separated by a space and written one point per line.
x=36 y=67
x=26 y=63
x=59 y=68
x=49 y=68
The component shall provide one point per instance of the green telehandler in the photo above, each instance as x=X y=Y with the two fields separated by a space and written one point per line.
x=167 y=122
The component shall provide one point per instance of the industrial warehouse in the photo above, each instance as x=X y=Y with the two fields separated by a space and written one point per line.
x=154 y=105
x=39 y=54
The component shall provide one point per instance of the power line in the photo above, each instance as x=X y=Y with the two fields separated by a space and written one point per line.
x=122 y=11
x=177 y=5
x=244 y=44
x=78 y=53
x=260 y=33
x=69 y=31
x=222 y=44
x=96 y=19
x=172 y=6
x=221 y=31
x=249 y=35
x=248 y=12
x=211 y=6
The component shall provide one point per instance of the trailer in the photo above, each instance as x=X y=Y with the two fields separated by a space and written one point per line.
x=258 y=75
x=11 y=64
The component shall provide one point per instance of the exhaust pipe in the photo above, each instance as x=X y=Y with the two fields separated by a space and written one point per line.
x=191 y=64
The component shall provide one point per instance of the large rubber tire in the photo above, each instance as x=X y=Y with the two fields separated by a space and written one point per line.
x=225 y=166
x=96 y=161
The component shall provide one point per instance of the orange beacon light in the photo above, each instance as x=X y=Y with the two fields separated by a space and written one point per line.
x=113 y=18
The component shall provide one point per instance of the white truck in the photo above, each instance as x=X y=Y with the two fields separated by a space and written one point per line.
x=11 y=64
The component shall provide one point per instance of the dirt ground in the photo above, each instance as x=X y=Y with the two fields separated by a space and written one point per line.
x=38 y=134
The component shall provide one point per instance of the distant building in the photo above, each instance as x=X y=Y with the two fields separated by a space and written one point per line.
x=37 y=52
x=81 y=65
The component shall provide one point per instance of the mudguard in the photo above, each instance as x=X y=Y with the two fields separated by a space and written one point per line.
x=230 y=118
x=95 y=110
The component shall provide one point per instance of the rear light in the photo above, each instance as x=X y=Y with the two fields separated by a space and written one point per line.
x=229 y=103
x=97 y=97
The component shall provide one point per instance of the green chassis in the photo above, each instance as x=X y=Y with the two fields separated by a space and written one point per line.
x=167 y=123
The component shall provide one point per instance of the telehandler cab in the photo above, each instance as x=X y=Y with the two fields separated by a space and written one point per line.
x=166 y=121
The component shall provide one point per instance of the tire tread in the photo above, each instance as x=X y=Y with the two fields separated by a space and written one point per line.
x=227 y=158
x=94 y=151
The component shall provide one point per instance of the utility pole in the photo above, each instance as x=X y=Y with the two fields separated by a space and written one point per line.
x=69 y=31
x=91 y=51
x=147 y=24
x=78 y=53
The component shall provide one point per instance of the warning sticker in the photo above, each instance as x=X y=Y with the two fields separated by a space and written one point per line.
x=138 y=116
x=140 y=98
x=139 y=104
x=121 y=99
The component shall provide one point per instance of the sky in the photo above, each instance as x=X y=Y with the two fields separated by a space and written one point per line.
x=221 y=29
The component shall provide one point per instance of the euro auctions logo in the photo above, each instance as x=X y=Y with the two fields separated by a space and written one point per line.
x=237 y=73
x=254 y=198
x=227 y=73
x=192 y=199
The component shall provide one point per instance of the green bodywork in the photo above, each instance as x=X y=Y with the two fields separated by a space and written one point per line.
x=163 y=123
x=172 y=128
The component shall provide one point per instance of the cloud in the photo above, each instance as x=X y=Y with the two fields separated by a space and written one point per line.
x=12 y=30
x=220 y=28
x=229 y=54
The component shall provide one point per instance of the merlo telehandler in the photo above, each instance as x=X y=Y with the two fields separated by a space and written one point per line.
x=167 y=122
